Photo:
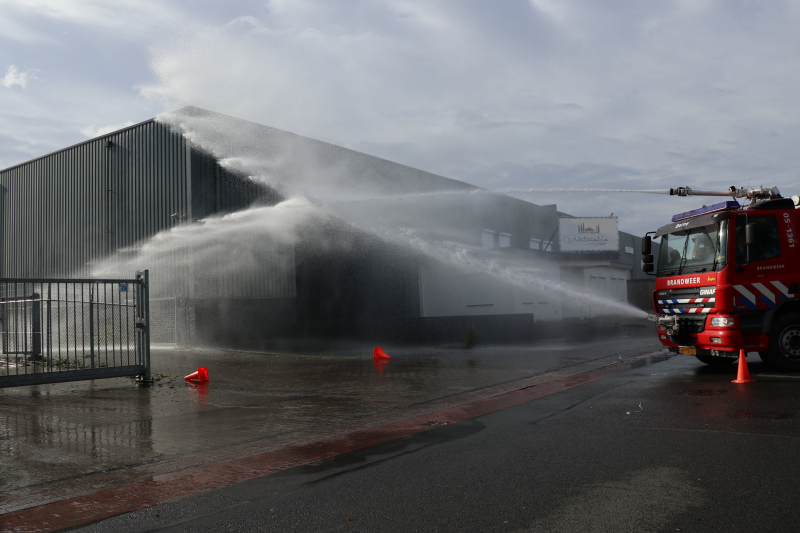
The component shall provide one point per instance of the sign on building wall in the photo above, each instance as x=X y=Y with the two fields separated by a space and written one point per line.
x=588 y=234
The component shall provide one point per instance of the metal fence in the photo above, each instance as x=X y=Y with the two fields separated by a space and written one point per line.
x=56 y=330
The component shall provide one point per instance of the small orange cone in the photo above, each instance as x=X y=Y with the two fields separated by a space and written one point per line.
x=201 y=375
x=378 y=353
x=744 y=374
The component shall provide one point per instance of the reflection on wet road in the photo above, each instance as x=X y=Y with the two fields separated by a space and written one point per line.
x=62 y=432
x=668 y=446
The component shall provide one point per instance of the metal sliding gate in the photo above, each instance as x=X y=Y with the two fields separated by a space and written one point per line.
x=56 y=330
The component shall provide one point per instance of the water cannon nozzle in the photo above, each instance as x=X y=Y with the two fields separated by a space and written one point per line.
x=760 y=193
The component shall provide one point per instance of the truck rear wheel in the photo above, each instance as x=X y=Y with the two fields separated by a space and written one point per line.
x=784 y=343
x=716 y=360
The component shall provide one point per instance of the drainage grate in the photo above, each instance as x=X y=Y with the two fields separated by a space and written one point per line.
x=764 y=415
x=435 y=423
x=704 y=392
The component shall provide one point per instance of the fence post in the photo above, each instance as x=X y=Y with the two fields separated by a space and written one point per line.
x=143 y=321
x=3 y=323
x=36 y=327
x=91 y=324
x=49 y=344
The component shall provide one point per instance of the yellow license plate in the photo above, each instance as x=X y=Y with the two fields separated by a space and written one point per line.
x=688 y=350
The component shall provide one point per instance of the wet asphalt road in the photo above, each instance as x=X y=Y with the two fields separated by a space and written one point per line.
x=669 y=447
x=60 y=441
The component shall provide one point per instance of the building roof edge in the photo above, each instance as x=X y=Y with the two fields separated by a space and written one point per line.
x=70 y=147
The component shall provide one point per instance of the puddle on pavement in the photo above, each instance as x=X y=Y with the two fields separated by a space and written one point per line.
x=52 y=432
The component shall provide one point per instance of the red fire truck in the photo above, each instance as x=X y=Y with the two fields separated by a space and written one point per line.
x=728 y=278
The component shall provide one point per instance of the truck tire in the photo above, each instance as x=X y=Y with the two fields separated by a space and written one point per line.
x=784 y=343
x=715 y=360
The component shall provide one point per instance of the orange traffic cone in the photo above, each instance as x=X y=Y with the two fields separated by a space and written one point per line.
x=378 y=353
x=744 y=374
x=201 y=375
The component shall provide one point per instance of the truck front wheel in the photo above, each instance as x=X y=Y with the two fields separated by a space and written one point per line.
x=784 y=343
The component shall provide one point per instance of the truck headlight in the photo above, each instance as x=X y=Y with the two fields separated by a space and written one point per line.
x=723 y=321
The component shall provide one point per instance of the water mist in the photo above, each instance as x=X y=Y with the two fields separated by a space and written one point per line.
x=319 y=191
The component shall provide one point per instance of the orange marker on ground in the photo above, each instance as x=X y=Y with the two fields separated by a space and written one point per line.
x=201 y=375
x=744 y=373
x=378 y=353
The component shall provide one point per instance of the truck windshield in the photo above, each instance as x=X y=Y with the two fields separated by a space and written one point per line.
x=702 y=249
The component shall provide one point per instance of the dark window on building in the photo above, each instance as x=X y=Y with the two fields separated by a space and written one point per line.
x=768 y=240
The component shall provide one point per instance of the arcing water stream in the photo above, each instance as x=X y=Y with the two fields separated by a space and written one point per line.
x=534 y=190
x=487 y=192
x=317 y=194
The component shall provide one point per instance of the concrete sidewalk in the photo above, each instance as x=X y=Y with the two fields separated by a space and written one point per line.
x=63 y=441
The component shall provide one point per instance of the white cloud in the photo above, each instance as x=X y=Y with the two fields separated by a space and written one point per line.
x=97 y=131
x=126 y=17
x=92 y=53
x=15 y=77
x=569 y=93
x=553 y=8
x=15 y=31
x=503 y=95
x=244 y=21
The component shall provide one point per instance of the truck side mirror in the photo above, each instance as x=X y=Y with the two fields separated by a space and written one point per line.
x=647 y=246
x=750 y=234
x=647 y=268
x=647 y=258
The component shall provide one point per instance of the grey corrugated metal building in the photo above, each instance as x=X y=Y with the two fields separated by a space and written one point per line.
x=65 y=211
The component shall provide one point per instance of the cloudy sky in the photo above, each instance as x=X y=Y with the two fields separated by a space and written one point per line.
x=501 y=94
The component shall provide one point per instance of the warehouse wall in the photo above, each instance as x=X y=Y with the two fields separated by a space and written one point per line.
x=446 y=291
x=217 y=191
x=357 y=279
x=64 y=210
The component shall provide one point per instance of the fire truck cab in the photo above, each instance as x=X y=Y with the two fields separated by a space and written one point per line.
x=728 y=278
